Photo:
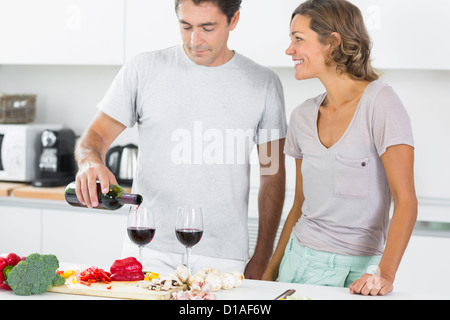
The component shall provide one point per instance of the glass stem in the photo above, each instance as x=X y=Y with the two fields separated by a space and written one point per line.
x=188 y=254
x=140 y=256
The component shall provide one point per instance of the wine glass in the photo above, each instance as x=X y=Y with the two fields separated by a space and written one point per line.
x=141 y=227
x=189 y=228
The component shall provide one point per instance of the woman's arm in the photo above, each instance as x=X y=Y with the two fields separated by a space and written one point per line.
x=271 y=272
x=398 y=162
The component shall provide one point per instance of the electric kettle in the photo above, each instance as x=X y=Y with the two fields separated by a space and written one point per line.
x=121 y=160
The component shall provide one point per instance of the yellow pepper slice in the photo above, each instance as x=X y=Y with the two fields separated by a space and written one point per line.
x=68 y=273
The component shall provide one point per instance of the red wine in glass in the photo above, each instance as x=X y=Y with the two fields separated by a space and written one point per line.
x=189 y=237
x=140 y=236
x=189 y=228
x=140 y=227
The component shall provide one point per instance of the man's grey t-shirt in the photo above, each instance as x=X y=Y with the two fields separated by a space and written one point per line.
x=347 y=197
x=196 y=128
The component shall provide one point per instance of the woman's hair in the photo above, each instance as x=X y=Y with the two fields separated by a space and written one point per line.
x=352 y=56
x=228 y=7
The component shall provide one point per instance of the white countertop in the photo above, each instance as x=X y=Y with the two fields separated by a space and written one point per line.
x=256 y=290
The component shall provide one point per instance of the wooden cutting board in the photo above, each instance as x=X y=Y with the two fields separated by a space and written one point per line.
x=119 y=289
x=52 y=193
x=6 y=188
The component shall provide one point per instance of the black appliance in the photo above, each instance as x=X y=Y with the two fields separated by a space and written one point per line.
x=56 y=165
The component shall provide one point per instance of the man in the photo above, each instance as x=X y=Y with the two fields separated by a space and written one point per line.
x=199 y=107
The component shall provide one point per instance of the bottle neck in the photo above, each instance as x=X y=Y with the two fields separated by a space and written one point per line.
x=128 y=198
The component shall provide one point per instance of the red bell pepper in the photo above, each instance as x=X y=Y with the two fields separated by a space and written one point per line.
x=137 y=276
x=128 y=269
x=6 y=264
x=130 y=264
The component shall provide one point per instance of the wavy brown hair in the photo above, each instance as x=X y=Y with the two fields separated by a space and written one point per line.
x=352 y=56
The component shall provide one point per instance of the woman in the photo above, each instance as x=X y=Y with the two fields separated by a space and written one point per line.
x=353 y=148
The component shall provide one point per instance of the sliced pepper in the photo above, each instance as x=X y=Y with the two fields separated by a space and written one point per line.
x=66 y=274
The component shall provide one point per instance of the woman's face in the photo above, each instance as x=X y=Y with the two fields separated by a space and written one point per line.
x=306 y=50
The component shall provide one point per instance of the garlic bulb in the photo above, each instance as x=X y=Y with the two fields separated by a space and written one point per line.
x=214 y=281
x=227 y=280
x=214 y=271
x=238 y=278
x=195 y=282
x=183 y=273
x=201 y=273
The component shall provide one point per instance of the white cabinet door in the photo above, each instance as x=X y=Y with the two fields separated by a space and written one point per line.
x=150 y=25
x=262 y=33
x=424 y=267
x=408 y=34
x=84 y=236
x=20 y=230
x=62 y=32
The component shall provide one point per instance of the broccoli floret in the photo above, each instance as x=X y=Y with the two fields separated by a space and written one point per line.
x=58 y=280
x=35 y=275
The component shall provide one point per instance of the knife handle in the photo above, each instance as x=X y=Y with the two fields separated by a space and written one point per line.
x=288 y=292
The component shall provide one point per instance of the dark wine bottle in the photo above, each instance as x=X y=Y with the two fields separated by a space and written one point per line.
x=113 y=200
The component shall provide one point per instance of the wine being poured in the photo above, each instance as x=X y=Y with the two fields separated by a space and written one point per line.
x=115 y=199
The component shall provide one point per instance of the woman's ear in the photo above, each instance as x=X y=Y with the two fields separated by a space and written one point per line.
x=335 y=40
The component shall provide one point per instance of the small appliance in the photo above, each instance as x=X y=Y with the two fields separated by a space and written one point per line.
x=121 y=160
x=56 y=165
x=19 y=149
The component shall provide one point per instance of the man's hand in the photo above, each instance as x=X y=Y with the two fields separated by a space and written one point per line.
x=86 y=182
x=255 y=268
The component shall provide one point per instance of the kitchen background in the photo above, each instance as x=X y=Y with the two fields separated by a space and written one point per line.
x=68 y=52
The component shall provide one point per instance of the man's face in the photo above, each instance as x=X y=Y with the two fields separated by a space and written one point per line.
x=205 y=31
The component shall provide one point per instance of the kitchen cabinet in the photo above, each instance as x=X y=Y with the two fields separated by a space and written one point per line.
x=262 y=33
x=62 y=32
x=153 y=25
x=405 y=33
x=85 y=236
x=20 y=230
x=425 y=265
x=150 y=25
x=79 y=235
x=408 y=34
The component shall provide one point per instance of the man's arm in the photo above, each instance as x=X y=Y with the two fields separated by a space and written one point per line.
x=270 y=205
x=90 y=154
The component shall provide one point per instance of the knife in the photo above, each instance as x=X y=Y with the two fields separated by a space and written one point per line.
x=288 y=292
